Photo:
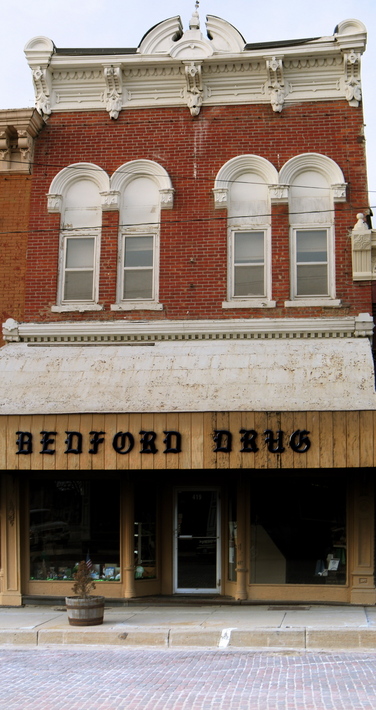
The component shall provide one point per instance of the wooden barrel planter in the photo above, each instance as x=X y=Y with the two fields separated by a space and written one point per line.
x=85 y=612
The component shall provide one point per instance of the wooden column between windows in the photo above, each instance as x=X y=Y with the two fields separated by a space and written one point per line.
x=127 y=532
x=361 y=559
x=242 y=559
x=10 y=571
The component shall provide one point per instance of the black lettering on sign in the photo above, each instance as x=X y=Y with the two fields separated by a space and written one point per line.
x=24 y=442
x=73 y=437
x=148 y=442
x=48 y=437
x=123 y=442
x=223 y=440
x=172 y=437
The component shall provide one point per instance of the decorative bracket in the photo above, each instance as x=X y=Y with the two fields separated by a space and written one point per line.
x=110 y=200
x=353 y=87
x=194 y=87
x=41 y=80
x=361 y=245
x=279 y=193
x=114 y=89
x=276 y=84
x=18 y=130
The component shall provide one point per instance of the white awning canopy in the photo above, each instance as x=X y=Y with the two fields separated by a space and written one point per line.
x=250 y=375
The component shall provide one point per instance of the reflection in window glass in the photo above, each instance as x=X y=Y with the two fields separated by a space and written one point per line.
x=145 y=533
x=298 y=529
x=249 y=264
x=138 y=268
x=70 y=521
x=79 y=269
x=232 y=536
x=312 y=262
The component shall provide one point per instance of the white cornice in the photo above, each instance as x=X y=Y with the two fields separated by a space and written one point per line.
x=324 y=69
x=160 y=330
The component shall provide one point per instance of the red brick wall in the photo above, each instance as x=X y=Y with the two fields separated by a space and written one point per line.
x=193 y=234
x=14 y=222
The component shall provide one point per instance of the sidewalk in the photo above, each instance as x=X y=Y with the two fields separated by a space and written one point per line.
x=213 y=626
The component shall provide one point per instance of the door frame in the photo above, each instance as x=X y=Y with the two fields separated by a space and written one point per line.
x=175 y=539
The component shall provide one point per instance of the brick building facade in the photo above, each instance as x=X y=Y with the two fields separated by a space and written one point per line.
x=188 y=385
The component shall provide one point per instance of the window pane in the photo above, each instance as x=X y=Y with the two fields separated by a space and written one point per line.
x=78 y=286
x=70 y=520
x=249 y=247
x=138 y=284
x=298 y=529
x=145 y=539
x=138 y=251
x=311 y=245
x=249 y=281
x=80 y=253
x=312 y=280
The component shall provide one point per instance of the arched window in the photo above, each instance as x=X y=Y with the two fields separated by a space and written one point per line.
x=77 y=192
x=144 y=188
x=315 y=183
x=243 y=186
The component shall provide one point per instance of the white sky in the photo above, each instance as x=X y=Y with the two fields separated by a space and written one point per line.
x=120 y=23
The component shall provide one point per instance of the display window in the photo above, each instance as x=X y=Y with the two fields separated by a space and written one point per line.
x=145 y=543
x=298 y=531
x=72 y=521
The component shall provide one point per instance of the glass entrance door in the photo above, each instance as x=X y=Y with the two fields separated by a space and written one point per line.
x=197 y=541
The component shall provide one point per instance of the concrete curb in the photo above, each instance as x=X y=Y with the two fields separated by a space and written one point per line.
x=330 y=639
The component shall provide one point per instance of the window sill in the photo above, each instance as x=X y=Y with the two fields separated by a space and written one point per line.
x=250 y=303
x=137 y=306
x=77 y=307
x=314 y=302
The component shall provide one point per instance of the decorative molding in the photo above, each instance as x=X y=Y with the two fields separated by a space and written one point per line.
x=353 y=87
x=18 y=130
x=232 y=72
x=278 y=193
x=39 y=52
x=110 y=200
x=194 y=87
x=363 y=249
x=322 y=164
x=276 y=83
x=180 y=330
x=114 y=89
x=144 y=168
x=42 y=88
x=235 y=167
x=77 y=171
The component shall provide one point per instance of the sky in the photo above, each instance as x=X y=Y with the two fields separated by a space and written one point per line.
x=120 y=23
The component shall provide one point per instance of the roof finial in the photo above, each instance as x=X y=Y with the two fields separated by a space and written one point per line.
x=195 y=20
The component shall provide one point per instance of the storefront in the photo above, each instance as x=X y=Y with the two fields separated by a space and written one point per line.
x=256 y=506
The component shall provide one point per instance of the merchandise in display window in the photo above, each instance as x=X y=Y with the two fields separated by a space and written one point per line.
x=70 y=521
x=145 y=534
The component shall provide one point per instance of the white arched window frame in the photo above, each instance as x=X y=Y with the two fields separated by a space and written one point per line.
x=79 y=193
x=243 y=187
x=143 y=189
x=313 y=183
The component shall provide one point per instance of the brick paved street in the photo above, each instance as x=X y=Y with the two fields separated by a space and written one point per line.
x=194 y=679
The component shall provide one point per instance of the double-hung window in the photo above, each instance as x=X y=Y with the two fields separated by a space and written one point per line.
x=79 y=268
x=248 y=264
x=138 y=261
x=76 y=192
x=242 y=186
x=315 y=182
x=311 y=262
x=138 y=275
